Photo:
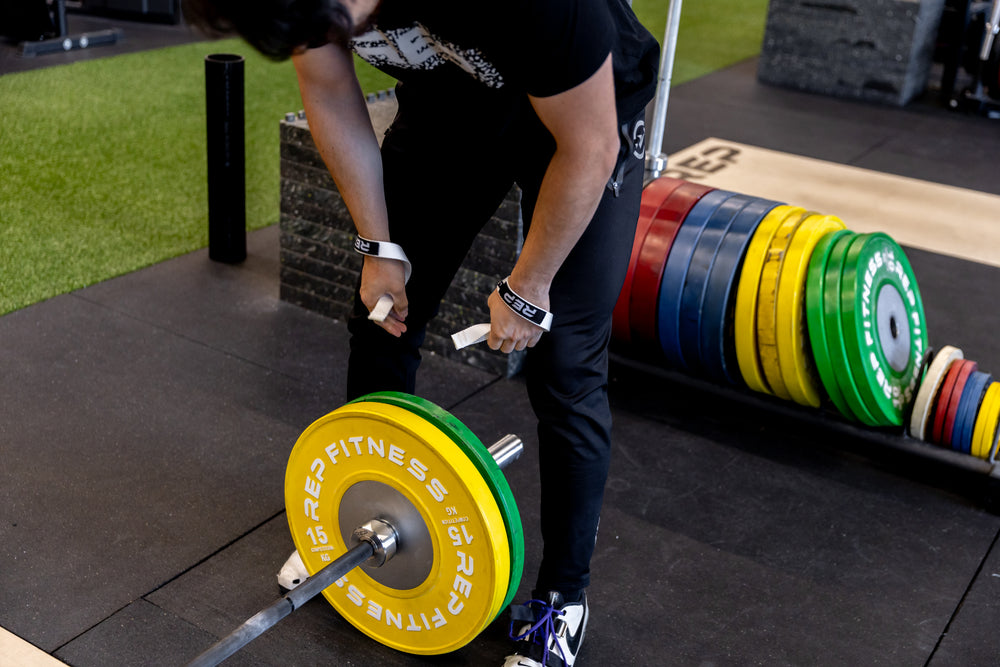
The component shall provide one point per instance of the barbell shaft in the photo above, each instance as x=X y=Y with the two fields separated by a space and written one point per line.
x=268 y=617
x=504 y=451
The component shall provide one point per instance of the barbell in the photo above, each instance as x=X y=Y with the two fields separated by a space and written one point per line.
x=405 y=523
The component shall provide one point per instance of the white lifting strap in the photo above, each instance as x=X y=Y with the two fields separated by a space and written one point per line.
x=384 y=250
x=477 y=333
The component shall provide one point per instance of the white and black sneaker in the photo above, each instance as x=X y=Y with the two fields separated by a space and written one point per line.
x=548 y=633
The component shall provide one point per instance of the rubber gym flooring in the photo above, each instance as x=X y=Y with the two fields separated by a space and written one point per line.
x=147 y=421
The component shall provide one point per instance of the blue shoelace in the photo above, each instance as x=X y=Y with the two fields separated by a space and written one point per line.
x=543 y=615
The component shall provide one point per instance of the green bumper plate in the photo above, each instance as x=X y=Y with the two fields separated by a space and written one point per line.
x=885 y=331
x=819 y=337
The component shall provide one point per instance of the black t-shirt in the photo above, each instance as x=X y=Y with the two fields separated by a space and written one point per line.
x=499 y=51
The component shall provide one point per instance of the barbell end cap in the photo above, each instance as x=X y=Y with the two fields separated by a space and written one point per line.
x=655 y=165
x=383 y=538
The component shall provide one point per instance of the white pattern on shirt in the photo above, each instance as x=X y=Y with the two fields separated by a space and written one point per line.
x=416 y=48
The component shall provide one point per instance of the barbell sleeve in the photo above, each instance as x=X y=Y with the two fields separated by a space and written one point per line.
x=506 y=450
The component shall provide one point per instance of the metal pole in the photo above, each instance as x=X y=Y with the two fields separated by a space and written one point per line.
x=992 y=29
x=227 y=234
x=656 y=160
x=61 y=17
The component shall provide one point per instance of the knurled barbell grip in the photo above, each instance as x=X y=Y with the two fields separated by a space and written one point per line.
x=504 y=451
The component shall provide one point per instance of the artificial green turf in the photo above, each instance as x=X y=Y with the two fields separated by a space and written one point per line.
x=713 y=33
x=102 y=162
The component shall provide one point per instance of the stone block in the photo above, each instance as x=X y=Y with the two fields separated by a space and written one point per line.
x=874 y=50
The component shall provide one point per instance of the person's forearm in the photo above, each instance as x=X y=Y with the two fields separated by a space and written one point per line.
x=583 y=124
x=342 y=131
x=569 y=196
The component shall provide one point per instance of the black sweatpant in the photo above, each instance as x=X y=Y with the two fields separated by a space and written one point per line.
x=443 y=181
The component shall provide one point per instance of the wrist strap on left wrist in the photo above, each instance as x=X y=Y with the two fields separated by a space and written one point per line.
x=529 y=311
x=384 y=250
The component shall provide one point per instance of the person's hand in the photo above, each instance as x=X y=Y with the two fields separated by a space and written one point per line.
x=381 y=276
x=508 y=330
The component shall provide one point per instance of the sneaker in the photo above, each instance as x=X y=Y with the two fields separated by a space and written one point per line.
x=292 y=573
x=548 y=634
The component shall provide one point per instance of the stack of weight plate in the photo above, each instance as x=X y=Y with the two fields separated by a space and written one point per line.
x=866 y=326
x=755 y=293
x=957 y=406
x=679 y=294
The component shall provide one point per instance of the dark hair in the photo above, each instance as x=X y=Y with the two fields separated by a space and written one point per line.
x=276 y=28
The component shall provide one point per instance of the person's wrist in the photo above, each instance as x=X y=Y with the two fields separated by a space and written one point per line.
x=536 y=291
x=383 y=250
x=532 y=311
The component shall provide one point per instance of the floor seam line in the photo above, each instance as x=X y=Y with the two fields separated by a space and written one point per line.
x=80 y=634
x=473 y=394
x=961 y=601
x=212 y=555
x=868 y=151
x=145 y=596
